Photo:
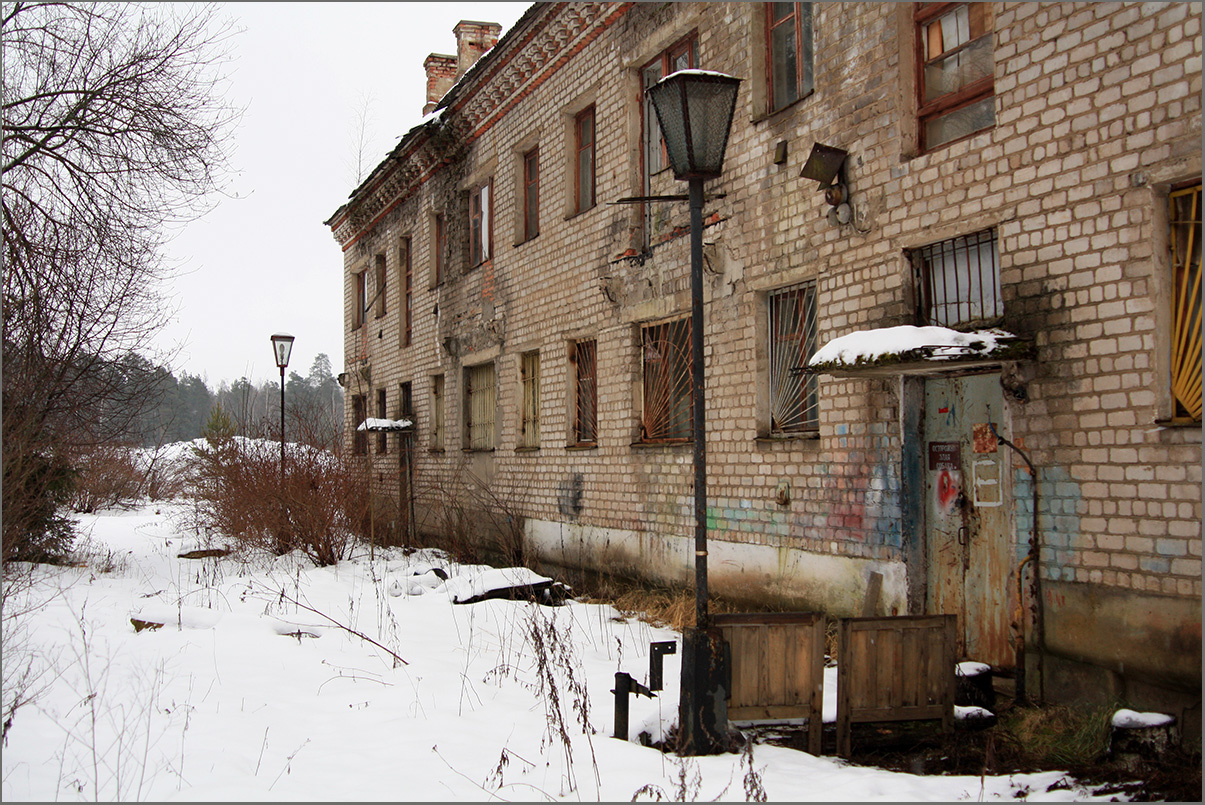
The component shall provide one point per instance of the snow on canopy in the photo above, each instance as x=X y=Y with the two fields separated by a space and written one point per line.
x=939 y=343
x=374 y=423
x=1131 y=719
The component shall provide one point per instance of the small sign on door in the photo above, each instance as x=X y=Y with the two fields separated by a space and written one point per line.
x=945 y=455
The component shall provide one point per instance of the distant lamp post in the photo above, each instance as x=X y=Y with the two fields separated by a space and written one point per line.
x=695 y=109
x=282 y=347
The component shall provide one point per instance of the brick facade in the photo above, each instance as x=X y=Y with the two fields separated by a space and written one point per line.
x=1097 y=117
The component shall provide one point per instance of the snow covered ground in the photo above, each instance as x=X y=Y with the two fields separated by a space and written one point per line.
x=255 y=689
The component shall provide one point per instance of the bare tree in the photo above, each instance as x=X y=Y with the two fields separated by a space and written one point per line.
x=112 y=135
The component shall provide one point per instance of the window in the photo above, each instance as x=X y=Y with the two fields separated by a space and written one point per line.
x=359 y=407
x=359 y=300
x=958 y=281
x=480 y=403
x=1185 y=242
x=382 y=413
x=794 y=403
x=583 y=144
x=531 y=194
x=668 y=391
x=681 y=56
x=407 y=292
x=438 y=250
x=789 y=52
x=585 y=419
x=437 y=412
x=480 y=223
x=379 y=291
x=529 y=376
x=406 y=401
x=956 y=68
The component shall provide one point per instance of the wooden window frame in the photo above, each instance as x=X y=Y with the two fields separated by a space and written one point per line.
x=381 y=279
x=804 y=61
x=667 y=388
x=437 y=412
x=480 y=407
x=439 y=249
x=794 y=395
x=687 y=46
x=359 y=299
x=585 y=154
x=407 y=272
x=481 y=223
x=359 y=442
x=531 y=194
x=529 y=382
x=973 y=92
x=382 y=413
x=584 y=357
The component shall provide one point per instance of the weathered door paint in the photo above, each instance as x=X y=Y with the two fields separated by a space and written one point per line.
x=967 y=524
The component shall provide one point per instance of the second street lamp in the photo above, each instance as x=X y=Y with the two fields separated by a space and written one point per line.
x=695 y=109
x=282 y=347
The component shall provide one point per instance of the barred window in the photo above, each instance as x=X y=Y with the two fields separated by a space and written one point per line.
x=668 y=390
x=958 y=281
x=529 y=428
x=794 y=402
x=585 y=421
x=480 y=403
x=1185 y=242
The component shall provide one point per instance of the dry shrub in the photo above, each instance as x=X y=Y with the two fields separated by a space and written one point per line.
x=318 y=508
x=108 y=475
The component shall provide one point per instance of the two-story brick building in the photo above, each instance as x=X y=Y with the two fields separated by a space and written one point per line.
x=1028 y=167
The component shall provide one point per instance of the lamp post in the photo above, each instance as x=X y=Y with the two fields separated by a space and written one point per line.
x=282 y=347
x=695 y=109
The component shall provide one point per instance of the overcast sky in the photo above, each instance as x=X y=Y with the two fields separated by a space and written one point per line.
x=263 y=261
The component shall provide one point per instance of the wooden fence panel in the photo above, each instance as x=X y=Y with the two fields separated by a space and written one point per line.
x=894 y=669
x=777 y=667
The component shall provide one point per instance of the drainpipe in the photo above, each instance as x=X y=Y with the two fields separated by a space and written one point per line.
x=1032 y=558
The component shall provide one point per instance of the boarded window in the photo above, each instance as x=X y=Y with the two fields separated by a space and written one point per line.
x=794 y=402
x=531 y=194
x=480 y=224
x=584 y=149
x=957 y=71
x=480 y=404
x=789 y=52
x=958 y=281
x=1185 y=242
x=359 y=407
x=667 y=392
x=529 y=376
x=437 y=412
x=585 y=420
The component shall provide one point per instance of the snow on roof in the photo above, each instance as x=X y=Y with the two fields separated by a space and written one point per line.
x=373 y=423
x=932 y=343
x=693 y=71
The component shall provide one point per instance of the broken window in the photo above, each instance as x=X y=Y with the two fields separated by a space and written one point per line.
x=529 y=376
x=1185 y=243
x=958 y=281
x=957 y=71
x=531 y=194
x=480 y=404
x=794 y=400
x=789 y=50
x=585 y=420
x=668 y=390
x=583 y=128
x=480 y=223
x=437 y=412
x=359 y=407
x=379 y=291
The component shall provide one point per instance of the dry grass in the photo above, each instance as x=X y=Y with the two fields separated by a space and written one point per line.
x=1058 y=736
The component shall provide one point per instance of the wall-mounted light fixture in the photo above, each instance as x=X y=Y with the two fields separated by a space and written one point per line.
x=825 y=165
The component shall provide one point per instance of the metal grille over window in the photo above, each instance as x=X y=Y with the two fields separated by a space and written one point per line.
x=586 y=420
x=959 y=281
x=529 y=435
x=665 y=357
x=1186 y=302
x=481 y=404
x=794 y=399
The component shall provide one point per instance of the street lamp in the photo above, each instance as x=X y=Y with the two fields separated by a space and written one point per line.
x=695 y=110
x=282 y=347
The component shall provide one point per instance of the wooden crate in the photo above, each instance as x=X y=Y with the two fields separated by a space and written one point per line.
x=894 y=669
x=777 y=663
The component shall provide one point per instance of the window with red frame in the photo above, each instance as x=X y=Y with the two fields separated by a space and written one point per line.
x=788 y=52
x=955 y=71
x=682 y=56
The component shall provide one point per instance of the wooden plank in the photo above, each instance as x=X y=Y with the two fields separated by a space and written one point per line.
x=873 y=588
x=844 y=660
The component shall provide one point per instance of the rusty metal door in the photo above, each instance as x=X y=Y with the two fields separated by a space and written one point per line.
x=967 y=526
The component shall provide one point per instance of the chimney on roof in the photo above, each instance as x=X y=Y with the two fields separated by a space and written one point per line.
x=472 y=40
x=441 y=75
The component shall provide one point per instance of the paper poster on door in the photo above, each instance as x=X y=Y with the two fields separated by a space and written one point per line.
x=986 y=480
x=947 y=490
